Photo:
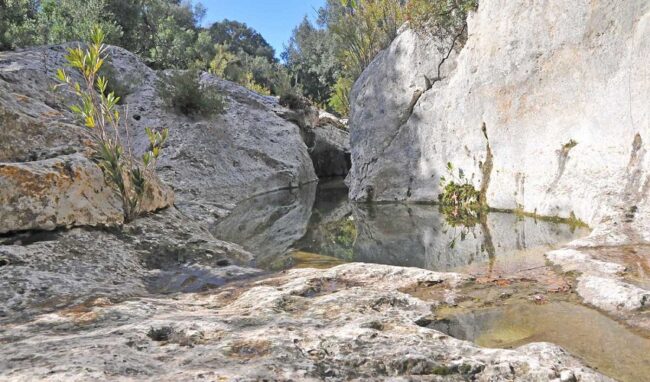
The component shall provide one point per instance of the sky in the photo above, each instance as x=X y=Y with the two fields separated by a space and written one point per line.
x=274 y=19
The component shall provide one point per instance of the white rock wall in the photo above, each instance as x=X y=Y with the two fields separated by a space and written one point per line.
x=538 y=75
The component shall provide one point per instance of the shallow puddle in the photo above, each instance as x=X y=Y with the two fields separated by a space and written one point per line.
x=601 y=342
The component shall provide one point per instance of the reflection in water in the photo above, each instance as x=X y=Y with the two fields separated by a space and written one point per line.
x=602 y=343
x=417 y=235
x=269 y=224
x=321 y=220
x=320 y=228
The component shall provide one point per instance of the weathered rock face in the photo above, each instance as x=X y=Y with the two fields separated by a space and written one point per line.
x=161 y=253
x=326 y=137
x=348 y=323
x=549 y=113
x=211 y=164
x=65 y=191
x=46 y=178
x=215 y=164
x=331 y=151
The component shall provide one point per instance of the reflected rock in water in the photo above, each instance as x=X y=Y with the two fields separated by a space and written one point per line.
x=268 y=225
x=419 y=236
x=332 y=229
x=321 y=220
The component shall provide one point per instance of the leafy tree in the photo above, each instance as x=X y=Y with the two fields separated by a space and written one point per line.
x=222 y=60
x=98 y=110
x=363 y=29
x=360 y=29
x=311 y=59
x=164 y=32
x=356 y=31
x=172 y=45
x=441 y=18
x=142 y=20
x=17 y=23
x=238 y=36
x=69 y=20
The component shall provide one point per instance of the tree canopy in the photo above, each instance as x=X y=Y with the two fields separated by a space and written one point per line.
x=326 y=59
x=322 y=59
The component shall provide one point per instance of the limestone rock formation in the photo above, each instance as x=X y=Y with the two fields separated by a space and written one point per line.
x=331 y=151
x=351 y=322
x=549 y=113
x=326 y=137
x=161 y=253
x=211 y=164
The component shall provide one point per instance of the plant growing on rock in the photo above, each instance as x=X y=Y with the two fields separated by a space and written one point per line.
x=459 y=201
x=98 y=110
x=440 y=17
x=182 y=92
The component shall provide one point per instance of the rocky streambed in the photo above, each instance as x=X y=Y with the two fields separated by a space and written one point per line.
x=182 y=308
x=243 y=269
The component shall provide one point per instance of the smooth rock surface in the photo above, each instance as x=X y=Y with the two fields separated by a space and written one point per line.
x=347 y=323
x=611 y=294
x=549 y=113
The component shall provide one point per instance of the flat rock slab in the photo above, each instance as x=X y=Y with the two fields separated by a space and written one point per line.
x=163 y=253
x=610 y=278
x=346 y=323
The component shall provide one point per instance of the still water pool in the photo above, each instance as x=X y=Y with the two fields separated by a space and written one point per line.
x=316 y=226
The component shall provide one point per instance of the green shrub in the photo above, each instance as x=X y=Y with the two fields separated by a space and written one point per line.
x=249 y=83
x=440 y=17
x=182 y=92
x=340 y=100
x=98 y=110
x=459 y=201
x=294 y=101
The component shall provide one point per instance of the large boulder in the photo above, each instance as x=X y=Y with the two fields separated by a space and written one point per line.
x=549 y=113
x=211 y=164
x=65 y=191
x=47 y=179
